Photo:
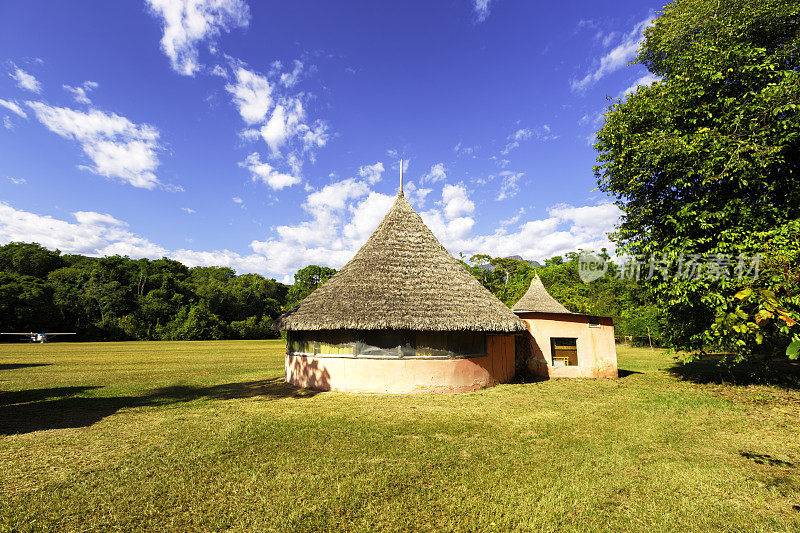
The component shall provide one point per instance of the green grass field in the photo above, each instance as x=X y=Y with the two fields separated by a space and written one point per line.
x=206 y=436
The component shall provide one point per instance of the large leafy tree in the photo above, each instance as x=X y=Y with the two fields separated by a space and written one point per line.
x=705 y=161
x=306 y=280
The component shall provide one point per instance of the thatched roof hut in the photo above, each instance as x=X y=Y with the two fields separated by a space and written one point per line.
x=538 y=300
x=561 y=343
x=402 y=279
x=402 y=316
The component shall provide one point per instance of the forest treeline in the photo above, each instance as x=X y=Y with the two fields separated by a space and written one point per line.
x=117 y=298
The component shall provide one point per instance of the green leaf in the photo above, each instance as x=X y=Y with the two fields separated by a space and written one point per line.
x=741 y=295
x=793 y=349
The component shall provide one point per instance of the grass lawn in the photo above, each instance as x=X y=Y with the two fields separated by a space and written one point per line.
x=207 y=436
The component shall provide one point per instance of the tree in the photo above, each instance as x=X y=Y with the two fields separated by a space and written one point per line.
x=706 y=158
x=29 y=259
x=306 y=280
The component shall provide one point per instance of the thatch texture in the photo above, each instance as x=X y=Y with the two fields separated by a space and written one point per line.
x=537 y=299
x=402 y=278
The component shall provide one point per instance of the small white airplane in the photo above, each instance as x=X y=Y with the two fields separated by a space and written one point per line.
x=37 y=337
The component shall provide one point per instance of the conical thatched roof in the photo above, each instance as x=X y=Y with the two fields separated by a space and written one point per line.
x=402 y=278
x=537 y=299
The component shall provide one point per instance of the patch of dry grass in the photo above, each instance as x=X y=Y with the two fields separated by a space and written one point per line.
x=205 y=435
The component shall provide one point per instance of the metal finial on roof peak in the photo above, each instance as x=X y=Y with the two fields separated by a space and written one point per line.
x=400 y=193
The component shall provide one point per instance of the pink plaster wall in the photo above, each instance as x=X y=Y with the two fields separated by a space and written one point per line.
x=409 y=375
x=597 y=353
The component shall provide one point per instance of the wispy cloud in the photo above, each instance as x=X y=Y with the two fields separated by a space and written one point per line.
x=436 y=174
x=543 y=133
x=481 y=8
x=372 y=173
x=647 y=79
x=13 y=107
x=187 y=23
x=509 y=187
x=25 y=81
x=616 y=58
x=266 y=173
x=117 y=147
x=80 y=93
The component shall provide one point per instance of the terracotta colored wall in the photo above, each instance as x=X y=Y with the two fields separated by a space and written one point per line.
x=410 y=375
x=597 y=353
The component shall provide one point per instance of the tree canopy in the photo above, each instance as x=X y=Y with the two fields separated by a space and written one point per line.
x=117 y=298
x=704 y=162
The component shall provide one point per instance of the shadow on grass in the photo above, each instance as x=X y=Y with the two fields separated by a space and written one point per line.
x=33 y=410
x=778 y=372
x=14 y=366
x=38 y=395
x=765 y=459
x=622 y=373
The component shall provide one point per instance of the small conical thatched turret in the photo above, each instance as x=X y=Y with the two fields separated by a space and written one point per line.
x=402 y=279
x=537 y=299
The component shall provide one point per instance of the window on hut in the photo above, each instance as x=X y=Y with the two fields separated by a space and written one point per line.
x=564 y=351
x=385 y=343
x=432 y=344
x=388 y=343
x=336 y=343
x=466 y=343
x=301 y=342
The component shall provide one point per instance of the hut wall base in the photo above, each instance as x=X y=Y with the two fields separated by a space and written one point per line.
x=404 y=376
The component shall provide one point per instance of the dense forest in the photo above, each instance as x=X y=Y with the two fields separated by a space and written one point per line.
x=117 y=298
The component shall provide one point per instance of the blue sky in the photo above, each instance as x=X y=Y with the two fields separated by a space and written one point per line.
x=266 y=136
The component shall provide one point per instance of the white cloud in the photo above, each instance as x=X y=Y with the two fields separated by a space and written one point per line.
x=616 y=58
x=510 y=185
x=117 y=147
x=342 y=216
x=566 y=228
x=542 y=133
x=513 y=220
x=252 y=94
x=595 y=216
x=188 y=210
x=17 y=181
x=98 y=234
x=237 y=200
x=290 y=79
x=437 y=173
x=94 y=234
x=26 y=81
x=267 y=173
x=460 y=149
x=481 y=8
x=13 y=107
x=7 y=123
x=647 y=79
x=456 y=202
x=372 y=173
x=416 y=195
x=187 y=23
x=80 y=93
x=336 y=195
x=284 y=122
x=280 y=120
x=91 y=218
x=366 y=216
